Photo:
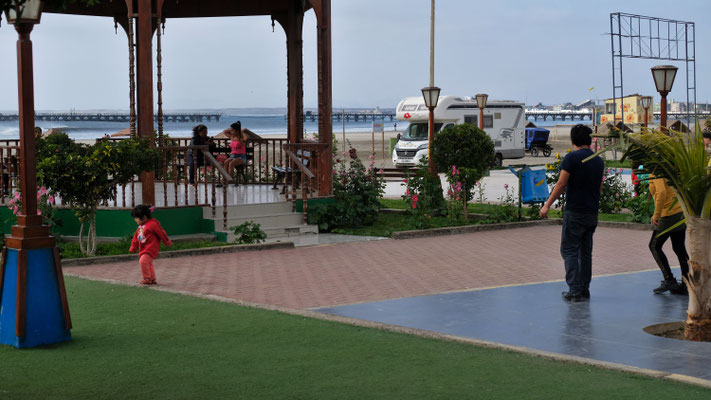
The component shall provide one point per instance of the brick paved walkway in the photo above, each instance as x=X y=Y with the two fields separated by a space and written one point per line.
x=359 y=272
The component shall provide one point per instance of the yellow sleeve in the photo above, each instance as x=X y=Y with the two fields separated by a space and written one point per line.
x=656 y=188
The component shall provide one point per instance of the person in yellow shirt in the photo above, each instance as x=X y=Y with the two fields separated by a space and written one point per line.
x=665 y=216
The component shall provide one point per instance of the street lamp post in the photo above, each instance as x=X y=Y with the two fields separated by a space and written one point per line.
x=481 y=103
x=646 y=102
x=33 y=300
x=431 y=95
x=664 y=80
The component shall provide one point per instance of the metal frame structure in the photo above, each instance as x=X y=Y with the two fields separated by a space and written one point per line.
x=638 y=36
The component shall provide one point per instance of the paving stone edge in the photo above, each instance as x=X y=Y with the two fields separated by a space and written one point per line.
x=453 y=230
x=73 y=262
x=433 y=335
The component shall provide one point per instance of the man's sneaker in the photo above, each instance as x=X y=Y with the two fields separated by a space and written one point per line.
x=680 y=289
x=666 y=285
x=572 y=297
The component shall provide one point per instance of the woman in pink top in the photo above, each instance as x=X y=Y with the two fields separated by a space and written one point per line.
x=238 y=147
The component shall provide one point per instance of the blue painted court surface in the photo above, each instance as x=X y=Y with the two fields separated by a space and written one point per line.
x=609 y=327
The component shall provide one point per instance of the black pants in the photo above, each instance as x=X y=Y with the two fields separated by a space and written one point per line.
x=677 y=239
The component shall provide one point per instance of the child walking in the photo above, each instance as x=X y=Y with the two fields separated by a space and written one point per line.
x=147 y=241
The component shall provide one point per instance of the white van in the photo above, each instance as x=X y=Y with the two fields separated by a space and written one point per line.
x=504 y=122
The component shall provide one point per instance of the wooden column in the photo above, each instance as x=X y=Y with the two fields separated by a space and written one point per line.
x=144 y=97
x=325 y=122
x=26 y=103
x=293 y=23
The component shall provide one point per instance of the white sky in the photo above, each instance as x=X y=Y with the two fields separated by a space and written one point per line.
x=551 y=51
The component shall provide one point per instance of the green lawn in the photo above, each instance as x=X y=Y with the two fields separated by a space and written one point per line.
x=387 y=223
x=135 y=343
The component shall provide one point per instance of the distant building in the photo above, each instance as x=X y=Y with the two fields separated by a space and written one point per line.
x=632 y=105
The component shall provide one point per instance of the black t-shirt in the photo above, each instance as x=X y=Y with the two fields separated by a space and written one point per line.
x=583 y=191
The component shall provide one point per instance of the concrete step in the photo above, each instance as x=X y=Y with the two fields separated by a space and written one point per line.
x=240 y=211
x=264 y=221
x=285 y=233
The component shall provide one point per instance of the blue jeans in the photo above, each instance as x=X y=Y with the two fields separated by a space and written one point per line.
x=576 y=246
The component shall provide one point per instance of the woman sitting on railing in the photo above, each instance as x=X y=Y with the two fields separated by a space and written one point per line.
x=238 y=148
x=195 y=158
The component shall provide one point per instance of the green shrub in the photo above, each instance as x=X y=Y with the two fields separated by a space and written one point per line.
x=615 y=193
x=423 y=193
x=248 y=233
x=357 y=190
x=466 y=149
x=641 y=206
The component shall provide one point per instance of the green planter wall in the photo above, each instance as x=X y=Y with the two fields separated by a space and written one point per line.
x=119 y=223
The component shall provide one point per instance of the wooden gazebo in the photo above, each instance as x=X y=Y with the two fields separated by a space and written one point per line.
x=33 y=301
x=148 y=15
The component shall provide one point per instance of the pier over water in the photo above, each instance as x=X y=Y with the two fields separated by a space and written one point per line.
x=114 y=117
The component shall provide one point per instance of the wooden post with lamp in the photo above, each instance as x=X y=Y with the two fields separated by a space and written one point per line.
x=33 y=300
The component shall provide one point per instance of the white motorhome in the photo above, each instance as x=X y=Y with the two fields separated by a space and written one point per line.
x=504 y=122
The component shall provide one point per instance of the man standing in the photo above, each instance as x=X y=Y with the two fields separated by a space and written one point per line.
x=582 y=182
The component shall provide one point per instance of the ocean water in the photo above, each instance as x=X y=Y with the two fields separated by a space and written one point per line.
x=266 y=125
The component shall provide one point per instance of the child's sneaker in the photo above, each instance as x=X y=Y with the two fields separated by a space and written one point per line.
x=147 y=281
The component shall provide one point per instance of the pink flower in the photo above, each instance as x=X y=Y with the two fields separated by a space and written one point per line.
x=380 y=171
x=506 y=185
x=414 y=205
x=43 y=190
x=404 y=180
x=39 y=212
x=370 y=157
x=414 y=198
x=407 y=192
x=153 y=209
x=51 y=199
x=17 y=195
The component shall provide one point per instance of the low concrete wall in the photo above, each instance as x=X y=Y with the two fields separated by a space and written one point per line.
x=178 y=253
x=510 y=225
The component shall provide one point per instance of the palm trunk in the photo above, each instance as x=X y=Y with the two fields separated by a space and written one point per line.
x=698 y=322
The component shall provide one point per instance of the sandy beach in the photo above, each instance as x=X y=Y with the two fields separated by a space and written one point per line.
x=363 y=142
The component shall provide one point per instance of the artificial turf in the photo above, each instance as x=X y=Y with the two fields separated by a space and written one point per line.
x=136 y=343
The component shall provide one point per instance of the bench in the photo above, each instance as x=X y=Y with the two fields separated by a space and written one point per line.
x=303 y=156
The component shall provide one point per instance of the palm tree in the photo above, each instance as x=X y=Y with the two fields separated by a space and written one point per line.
x=681 y=159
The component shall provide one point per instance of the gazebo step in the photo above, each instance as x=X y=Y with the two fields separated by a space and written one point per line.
x=285 y=233
x=242 y=210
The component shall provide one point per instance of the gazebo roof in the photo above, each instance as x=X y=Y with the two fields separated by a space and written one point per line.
x=182 y=8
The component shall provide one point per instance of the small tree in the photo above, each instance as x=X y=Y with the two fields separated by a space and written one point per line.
x=681 y=159
x=84 y=176
x=467 y=148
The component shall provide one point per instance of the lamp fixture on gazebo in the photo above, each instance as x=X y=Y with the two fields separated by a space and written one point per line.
x=29 y=12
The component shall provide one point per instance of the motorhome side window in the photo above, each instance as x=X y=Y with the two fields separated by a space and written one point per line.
x=471 y=119
x=488 y=121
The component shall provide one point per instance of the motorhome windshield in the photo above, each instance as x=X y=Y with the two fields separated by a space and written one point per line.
x=418 y=131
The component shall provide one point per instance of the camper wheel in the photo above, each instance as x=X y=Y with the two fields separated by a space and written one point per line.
x=498 y=160
x=547 y=152
x=534 y=151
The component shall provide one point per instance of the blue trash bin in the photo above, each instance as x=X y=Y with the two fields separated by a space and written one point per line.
x=534 y=188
